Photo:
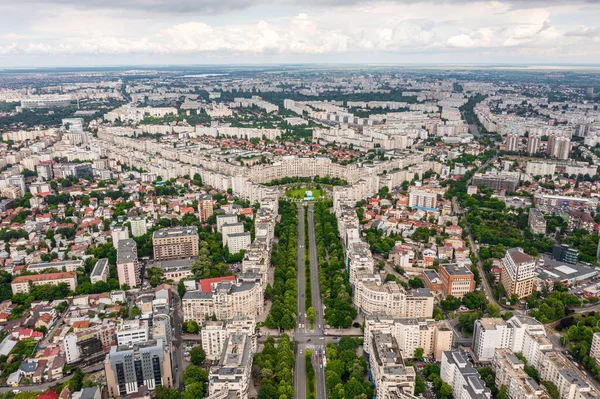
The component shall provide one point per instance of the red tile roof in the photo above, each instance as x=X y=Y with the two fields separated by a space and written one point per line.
x=205 y=285
x=44 y=277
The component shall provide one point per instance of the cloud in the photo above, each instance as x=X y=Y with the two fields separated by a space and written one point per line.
x=584 y=31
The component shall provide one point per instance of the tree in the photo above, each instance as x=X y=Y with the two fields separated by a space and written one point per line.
x=502 y=393
x=166 y=393
x=450 y=303
x=416 y=283
x=76 y=383
x=514 y=299
x=197 y=355
x=155 y=275
x=493 y=310
x=419 y=353
x=181 y=290
x=419 y=386
x=474 y=300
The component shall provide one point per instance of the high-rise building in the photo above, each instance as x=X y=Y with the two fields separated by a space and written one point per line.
x=533 y=144
x=129 y=368
x=464 y=379
x=422 y=199
x=119 y=233
x=138 y=226
x=595 y=348
x=205 y=208
x=518 y=272
x=132 y=332
x=512 y=142
x=389 y=372
x=559 y=146
x=175 y=243
x=44 y=170
x=128 y=265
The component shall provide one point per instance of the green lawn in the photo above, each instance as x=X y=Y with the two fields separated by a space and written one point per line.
x=300 y=193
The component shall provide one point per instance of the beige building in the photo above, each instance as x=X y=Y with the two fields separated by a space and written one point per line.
x=21 y=284
x=410 y=333
x=371 y=296
x=510 y=372
x=175 y=243
x=128 y=265
x=387 y=366
x=517 y=273
x=205 y=208
x=227 y=300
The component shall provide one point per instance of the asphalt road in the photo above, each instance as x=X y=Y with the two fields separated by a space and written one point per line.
x=317 y=303
x=300 y=332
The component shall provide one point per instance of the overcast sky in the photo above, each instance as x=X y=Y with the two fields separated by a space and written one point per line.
x=129 y=32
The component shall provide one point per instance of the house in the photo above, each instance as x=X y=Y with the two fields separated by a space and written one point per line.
x=55 y=370
x=26 y=333
x=44 y=320
x=4 y=317
x=38 y=374
x=88 y=393
x=14 y=379
x=49 y=394
x=28 y=368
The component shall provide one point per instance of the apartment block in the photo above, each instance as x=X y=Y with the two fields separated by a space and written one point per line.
x=493 y=333
x=510 y=372
x=555 y=367
x=595 y=349
x=64 y=266
x=457 y=280
x=175 y=243
x=205 y=207
x=119 y=233
x=537 y=222
x=388 y=370
x=146 y=364
x=132 y=332
x=422 y=199
x=138 y=226
x=518 y=272
x=224 y=300
x=237 y=242
x=21 y=284
x=215 y=333
x=90 y=345
x=128 y=265
x=231 y=375
x=371 y=296
x=231 y=228
x=100 y=272
x=432 y=336
x=464 y=379
x=228 y=218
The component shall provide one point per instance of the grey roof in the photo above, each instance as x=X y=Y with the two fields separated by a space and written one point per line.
x=197 y=295
x=176 y=232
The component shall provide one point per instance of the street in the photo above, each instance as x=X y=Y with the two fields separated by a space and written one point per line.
x=300 y=365
x=177 y=341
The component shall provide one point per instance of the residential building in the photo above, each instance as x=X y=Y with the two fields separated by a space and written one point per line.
x=146 y=364
x=205 y=208
x=512 y=142
x=510 y=373
x=533 y=144
x=224 y=300
x=564 y=253
x=232 y=372
x=213 y=335
x=595 y=348
x=537 y=222
x=89 y=345
x=64 y=266
x=237 y=242
x=100 y=272
x=555 y=367
x=492 y=333
x=432 y=280
x=389 y=373
x=559 y=146
x=138 y=226
x=507 y=181
x=370 y=296
x=175 y=243
x=231 y=228
x=457 y=280
x=518 y=272
x=464 y=379
x=21 y=284
x=128 y=265
x=422 y=199
x=433 y=337
x=119 y=233
x=132 y=332
x=581 y=221
x=228 y=218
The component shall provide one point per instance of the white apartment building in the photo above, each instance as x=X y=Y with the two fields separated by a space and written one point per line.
x=229 y=218
x=22 y=284
x=555 y=367
x=422 y=199
x=540 y=168
x=494 y=333
x=119 y=233
x=231 y=228
x=64 y=266
x=510 y=372
x=132 y=331
x=371 y=296
x=100 y=271
x=433 y=337
x=464 y=379
x=387 y=366
x=237 y=242
x=359 y=260
x=595 y=349
x=214 y=334
x=138 y=226
x=232 y=373
x=518 y=272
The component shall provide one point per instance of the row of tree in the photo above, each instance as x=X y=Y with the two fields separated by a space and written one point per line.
x=346 y=372
x=283 y=257
x=335 y=286
x=273 y=368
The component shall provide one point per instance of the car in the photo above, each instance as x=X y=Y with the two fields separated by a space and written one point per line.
x=308 y=340
x=300 y=351
x=321 y=338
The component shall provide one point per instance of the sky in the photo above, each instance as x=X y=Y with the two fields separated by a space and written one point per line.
x=38 y=33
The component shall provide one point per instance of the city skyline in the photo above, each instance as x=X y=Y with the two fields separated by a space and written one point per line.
x=67 y=33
